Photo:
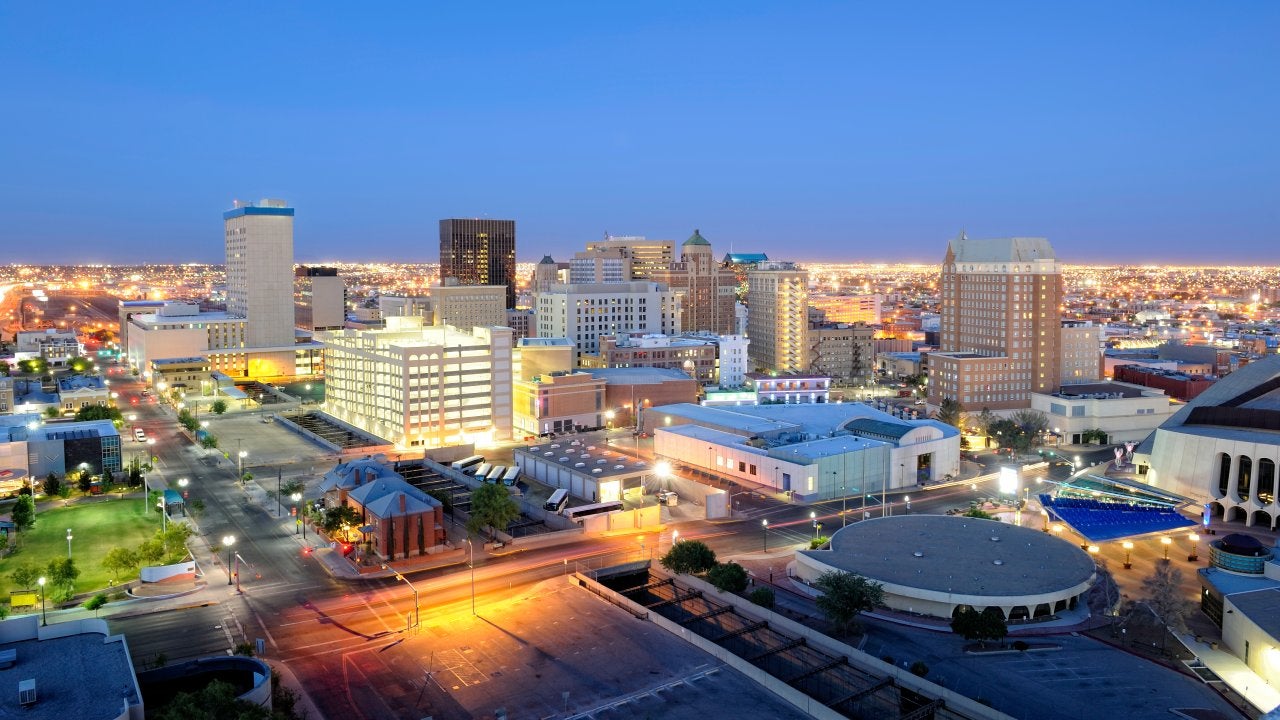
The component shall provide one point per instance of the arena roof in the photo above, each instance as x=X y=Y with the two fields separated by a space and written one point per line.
x=957 y=555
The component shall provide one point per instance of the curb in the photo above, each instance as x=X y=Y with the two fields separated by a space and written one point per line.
x=146 y=598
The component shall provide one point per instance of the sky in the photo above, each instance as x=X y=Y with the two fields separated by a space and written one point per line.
x=1129 y=132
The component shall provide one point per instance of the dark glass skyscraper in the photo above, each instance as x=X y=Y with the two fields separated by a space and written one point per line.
x=479 y=252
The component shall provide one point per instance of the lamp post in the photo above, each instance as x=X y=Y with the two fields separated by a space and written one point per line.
x=472 y=563
x=764 y=531
x=229 y=540
x=813 y=516
x=844 y=507
x=182 y=483
x=675 y=537
x=411 y=587
x=297 y=519
x=68 y=543
x=1128 y=548
x=1195 y=544
x=44 y=619
x=1166 y=541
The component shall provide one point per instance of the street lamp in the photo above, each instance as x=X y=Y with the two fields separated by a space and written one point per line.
x=1128 y=548
x=68 y=543
x=764 y=528
x=472 y=563
x=1195 y=544
x=182 y=483
x=1166 y=541
x=229 y=540
x=814 y=517
x=411 y=587
x=675 y=537
x=295 y=497
x=1094 y=549
x=44 y=619
x=608 y=419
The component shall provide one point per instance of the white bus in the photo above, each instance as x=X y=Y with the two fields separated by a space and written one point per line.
x=482 y=470
x=556 y=502
x=577 y=513
x=465 y=463
x=495 y=475
x=510 y=477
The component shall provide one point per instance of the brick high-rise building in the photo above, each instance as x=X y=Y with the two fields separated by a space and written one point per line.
x=479 y=252
x=1001 y=325
x=708 y=289
x=647 y=256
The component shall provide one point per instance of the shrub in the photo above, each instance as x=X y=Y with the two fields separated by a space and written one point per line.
x=818 y=542
x=1020 y=645
x=763 y=597
x=729 y=576
x=919 y=669
x=218 y=406
x=690 y=557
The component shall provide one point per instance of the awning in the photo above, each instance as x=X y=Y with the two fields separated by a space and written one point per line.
x=172 y=497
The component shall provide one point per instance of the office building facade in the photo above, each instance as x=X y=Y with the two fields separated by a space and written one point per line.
x=778 y=316
x=707 y=288
x=587 y=313
x=321 y=299
x=479 y=251
x=647 y=256
x=259 y=247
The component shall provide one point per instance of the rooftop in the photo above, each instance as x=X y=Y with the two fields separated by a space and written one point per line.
x=639 y=375
x=1262 y=607
x=87 y=675
x=68 y=383
x=995 y=250
x=1102 y=391
x=578 y=456
x=958 y=555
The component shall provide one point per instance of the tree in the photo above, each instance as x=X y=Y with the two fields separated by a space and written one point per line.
x=335 y=518
x=981 y=626
x=187 y=420
x=208 y=441
x=1164 y=596
x=25 y=576
x=218 y=406
x=492 y=507
x=291 y=487
x=983 y=421
x=84 y=481
x=690 y=557
x=80 y=364
x=95 y=603
x=729 y=576
x=108 y=479
x=52 y=413
x=51 y=485
x=919 y=669
x=949 y=412
x=62 y=573
x=979 y=513
x=216 y=701
x=120 y=561
x=764 y=597
x=150 y=551
x=845 y=595
x=32 y=366
x=1032 y=423
x=24 y=513
x=446 y=499
x=99 y=412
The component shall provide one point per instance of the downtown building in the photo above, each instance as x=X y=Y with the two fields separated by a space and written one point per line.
x=479 y=251
x=1000 y=329
x=778 y=317
x=646 y=256
x=321 y=299
x=707 y=289
x=709 y=359
x=588 y=312
x=420 y=386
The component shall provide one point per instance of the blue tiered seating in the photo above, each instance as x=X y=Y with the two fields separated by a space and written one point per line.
x=1100 y=521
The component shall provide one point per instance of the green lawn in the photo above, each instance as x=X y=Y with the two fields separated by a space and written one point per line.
x=96 y=527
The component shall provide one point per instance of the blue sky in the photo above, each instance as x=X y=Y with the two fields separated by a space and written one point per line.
x=1124 y=132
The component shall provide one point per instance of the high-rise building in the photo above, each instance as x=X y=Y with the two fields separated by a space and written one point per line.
x=843 y=352
x=847 y=308
x=586 y=313
x=1081 y=352
x=321 y=299
x=419 y=386
x=479 y=251
x=259 y=241
x=601 y=265
x=548 y=272
x=707 y=289
x=647 y=256
x=1001 y=324
x=778 y=316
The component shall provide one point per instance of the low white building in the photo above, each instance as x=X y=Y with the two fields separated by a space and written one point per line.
x=1123 y=411
x=813 y=452
x=180 y=330
x=419 y=386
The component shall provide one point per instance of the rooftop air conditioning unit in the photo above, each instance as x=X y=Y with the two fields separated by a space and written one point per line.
x=27 y=692
x=619 y=467
x=579 y=464
x=564 y=459
x=595 y=470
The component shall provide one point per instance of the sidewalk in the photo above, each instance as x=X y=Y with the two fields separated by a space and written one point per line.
x=1238 y=676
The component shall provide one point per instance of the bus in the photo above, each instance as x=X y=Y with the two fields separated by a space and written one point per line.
x=465 y=463
x=510 y=476
x=556 y=502
x=482 y=470
x=577 y=513
x=495 y=474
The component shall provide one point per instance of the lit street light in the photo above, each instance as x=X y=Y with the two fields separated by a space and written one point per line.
x=411 y=587
x=44 y=619
x=1128 y=548
x=228 y=541
x=297 y=523
x=1166 y=541
x=68 y=543
x=814 y=517
x=1195 y=546
x=764 y=529
x=472 y=563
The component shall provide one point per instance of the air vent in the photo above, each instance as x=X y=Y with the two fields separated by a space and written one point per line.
x=596 y=470
x=917 y=554
x=997 y=562
x=27 y=692
x=619 y=467
x=579 y=464
x=995 y=538
x=547 y=454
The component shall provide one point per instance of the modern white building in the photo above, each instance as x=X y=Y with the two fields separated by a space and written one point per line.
x=813 y=452
x=55 y=347
x=180 y=330
x=1222 y=448
x=420 y=386
x=778 y=316
x=1125 y=412
x=586 y=312
x=259 y=248
x=733 y=359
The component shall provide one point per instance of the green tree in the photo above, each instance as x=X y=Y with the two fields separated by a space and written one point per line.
x=949 y=412
x=1032 y=423
x=291 y=487
x=981 y=626
x=99 y=412
x=983 y=421
x=151 y=551
x=1164 y=595
x=690 y=557
x=845 y=595
x=216 y=701
x=979 y=513
x=95 y=603
x=196 y=507
x=187 y=420
x=218 y=406
x=446 y=499
x=84 y=481
x=62 y=573
x=25 y=576
x=80 y=364
x=32 y=366
x=51 y=485
x=208 y=441
x=491 y=507
x=730 y=577
x=764 y=597
x=108 y=479
x=335 y=518
x=52 y=413
x=919 y=668
x=120 y=562
x=24 y=513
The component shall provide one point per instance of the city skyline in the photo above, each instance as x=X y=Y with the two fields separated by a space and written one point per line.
x=1125 y=136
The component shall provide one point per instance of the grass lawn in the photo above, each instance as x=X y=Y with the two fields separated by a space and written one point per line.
x=96 y=527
